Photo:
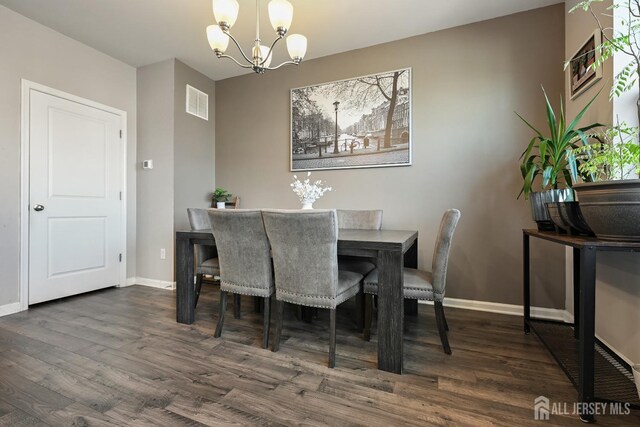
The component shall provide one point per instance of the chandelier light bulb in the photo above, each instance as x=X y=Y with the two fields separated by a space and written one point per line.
x=297 y=46
x=226 y=12
x=281 y=15
x=264 y=51
x=218 y=40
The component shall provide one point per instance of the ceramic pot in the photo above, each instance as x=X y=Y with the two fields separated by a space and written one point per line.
x=611 y=208
x=572 y=215
x=556 y=217
x=220 y=205
x=539 y=210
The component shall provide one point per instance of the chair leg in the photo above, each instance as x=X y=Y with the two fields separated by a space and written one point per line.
x=440 y=321
x=279 y=320
x=257 y=304
x=360 y=310
x=266 y=309
x=446 y=325
x=368 y=316
x=236 y=305
x=223 y=309
x=198 y=289
x=332 y=338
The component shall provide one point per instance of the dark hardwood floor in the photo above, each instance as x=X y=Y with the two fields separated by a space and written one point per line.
x=117 y=357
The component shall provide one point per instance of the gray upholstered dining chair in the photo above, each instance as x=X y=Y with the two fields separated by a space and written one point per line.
x=360 y=220
x=206 y=261
x=245 y=260
x=304 y=246
x=422 y=285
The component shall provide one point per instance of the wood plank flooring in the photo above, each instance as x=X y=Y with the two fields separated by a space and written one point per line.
x=118 y=357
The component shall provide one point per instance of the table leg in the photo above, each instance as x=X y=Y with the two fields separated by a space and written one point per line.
x=586 y=345
x=411 y=261
x=576 y=293
x=390 y=311
x=185 y=292
x=526 y=281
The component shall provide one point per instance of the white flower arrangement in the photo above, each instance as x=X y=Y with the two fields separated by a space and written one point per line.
x=308 y=192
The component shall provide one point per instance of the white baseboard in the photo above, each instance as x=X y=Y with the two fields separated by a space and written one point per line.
x=153 y=283
x=8 y=309
x=511 y=309
x=130 y=282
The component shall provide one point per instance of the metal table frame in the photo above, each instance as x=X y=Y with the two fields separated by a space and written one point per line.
x=584 y=297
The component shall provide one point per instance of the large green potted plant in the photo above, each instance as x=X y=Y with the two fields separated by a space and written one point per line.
x=611 y=203
x=546 y=157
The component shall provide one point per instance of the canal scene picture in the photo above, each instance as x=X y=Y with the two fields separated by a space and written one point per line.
x=360 y=122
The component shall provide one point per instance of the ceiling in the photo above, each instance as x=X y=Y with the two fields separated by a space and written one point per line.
x=142 y=32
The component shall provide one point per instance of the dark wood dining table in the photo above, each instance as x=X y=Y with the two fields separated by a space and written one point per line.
x=393 y=249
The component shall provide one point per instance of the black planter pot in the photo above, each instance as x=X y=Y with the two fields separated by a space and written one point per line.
x=611 y=208
x=567 y=217
x=560 y=224
x=572 y=215
x=539 y=202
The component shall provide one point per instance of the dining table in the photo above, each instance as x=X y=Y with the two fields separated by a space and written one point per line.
x=393 y=250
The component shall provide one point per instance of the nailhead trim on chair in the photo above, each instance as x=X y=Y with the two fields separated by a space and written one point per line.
x=338 y=300
x=251 y=290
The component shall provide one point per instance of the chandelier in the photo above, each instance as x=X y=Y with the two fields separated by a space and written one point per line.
x=280 y=15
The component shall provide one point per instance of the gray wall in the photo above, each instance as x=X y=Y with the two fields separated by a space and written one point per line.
x=37 y=53
x=155 y=186
x=466 y=83
x=194 y=147
x=182 y=149
x=618 y=274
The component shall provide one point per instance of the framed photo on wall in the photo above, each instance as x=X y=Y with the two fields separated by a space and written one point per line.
x=354 y=123
x=582 y=74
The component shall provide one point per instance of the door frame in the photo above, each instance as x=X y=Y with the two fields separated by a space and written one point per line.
x=26 y=88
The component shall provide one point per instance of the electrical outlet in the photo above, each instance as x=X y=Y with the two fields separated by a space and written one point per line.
x=163 y=253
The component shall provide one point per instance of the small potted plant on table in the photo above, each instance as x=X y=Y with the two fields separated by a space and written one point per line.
x=220 y=197
x=547 y=156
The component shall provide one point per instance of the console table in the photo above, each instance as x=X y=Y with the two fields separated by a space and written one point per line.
x=598 y=374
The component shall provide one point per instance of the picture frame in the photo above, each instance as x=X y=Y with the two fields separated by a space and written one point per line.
x=346 y=124
x=581 y=75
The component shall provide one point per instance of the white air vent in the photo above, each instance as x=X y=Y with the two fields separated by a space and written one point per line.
x=197 y=103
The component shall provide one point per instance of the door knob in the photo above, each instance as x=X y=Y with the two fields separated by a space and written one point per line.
x=38 y=208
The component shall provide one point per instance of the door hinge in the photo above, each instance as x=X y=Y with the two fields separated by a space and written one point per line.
x=120 y=133
x=121 y=195
x=120 y=257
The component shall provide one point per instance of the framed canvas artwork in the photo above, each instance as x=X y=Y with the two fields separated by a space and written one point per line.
x=355 y=123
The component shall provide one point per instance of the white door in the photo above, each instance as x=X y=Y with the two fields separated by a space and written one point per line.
x=75 y=178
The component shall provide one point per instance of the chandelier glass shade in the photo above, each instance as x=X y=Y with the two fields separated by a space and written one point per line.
x=280 y=15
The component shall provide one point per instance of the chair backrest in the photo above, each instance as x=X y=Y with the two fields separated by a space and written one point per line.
x=199 y=221
x=243 y=248
x=442 y=249
x=304 y=245
x=360 y=220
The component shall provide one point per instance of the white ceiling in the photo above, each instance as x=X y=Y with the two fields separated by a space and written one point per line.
x=142 y=32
